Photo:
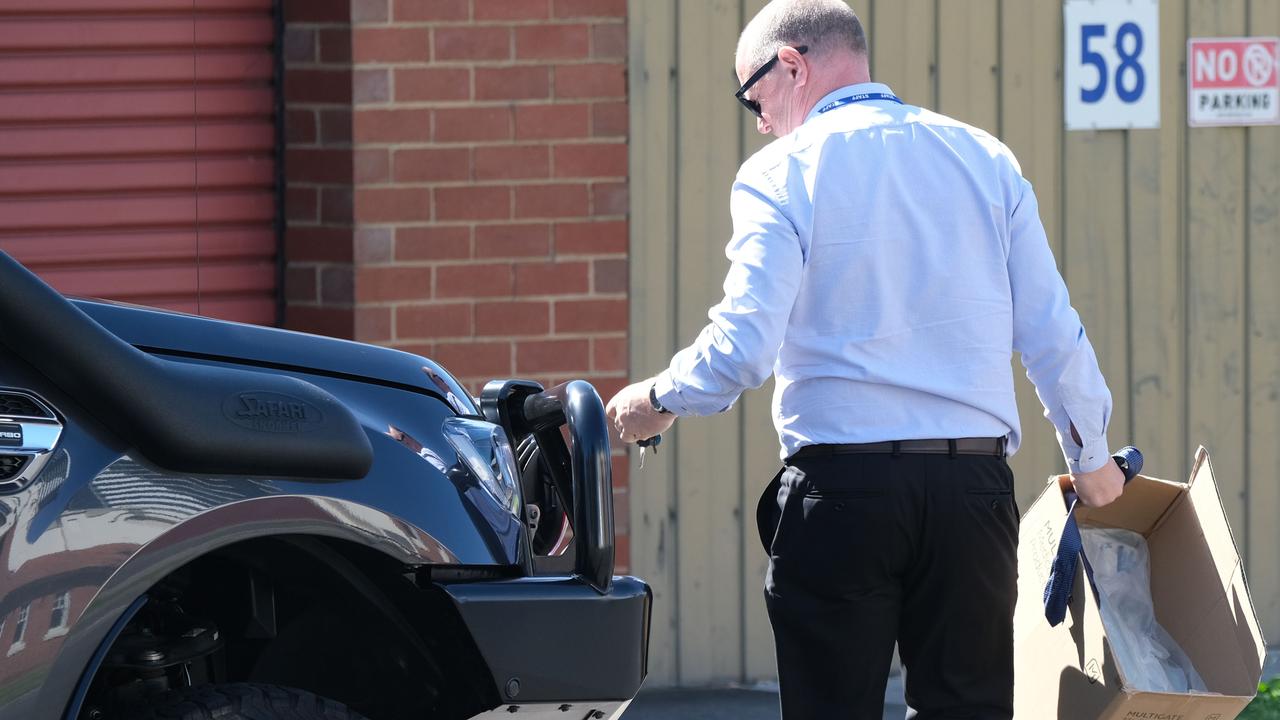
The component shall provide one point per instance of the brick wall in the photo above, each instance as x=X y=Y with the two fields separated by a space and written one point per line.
x=475 y=209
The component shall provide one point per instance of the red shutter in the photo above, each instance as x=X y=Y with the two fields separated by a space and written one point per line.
x=137 y=150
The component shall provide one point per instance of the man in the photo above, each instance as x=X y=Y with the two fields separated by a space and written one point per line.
x=885 y=262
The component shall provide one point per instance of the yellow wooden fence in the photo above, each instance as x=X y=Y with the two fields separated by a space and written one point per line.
x=1169 y=240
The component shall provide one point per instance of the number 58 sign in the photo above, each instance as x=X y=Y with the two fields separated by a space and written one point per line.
x=1112 y=77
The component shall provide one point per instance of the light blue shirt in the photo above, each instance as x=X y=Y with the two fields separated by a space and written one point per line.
x=885 y=263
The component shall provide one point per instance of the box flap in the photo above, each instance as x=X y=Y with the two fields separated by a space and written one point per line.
x=1222 y=547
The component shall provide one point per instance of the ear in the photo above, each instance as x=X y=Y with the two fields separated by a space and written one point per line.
x=794 y=65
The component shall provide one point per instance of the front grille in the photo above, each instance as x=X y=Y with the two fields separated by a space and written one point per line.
x=15 y=405
x=11 y=465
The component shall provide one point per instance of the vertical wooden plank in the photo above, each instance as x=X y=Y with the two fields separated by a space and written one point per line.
x=1215 y=281
x=651 y=30
x=1158 y=327
x=967 y=62
x=759 y=462
x=1263 y=468
x=708 y=459
x=902 y=49
x=1031 y=125
x=1096 y=256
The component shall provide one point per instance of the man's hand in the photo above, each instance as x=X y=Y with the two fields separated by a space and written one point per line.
x=1100 y=487
x=632 y=415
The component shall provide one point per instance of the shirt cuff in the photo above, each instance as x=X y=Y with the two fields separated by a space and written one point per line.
x=1093 y=455
x=664 y=388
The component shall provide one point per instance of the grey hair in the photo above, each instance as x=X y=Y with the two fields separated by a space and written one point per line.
x=820 y=24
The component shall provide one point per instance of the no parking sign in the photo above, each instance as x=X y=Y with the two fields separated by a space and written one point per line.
x=1233 y=81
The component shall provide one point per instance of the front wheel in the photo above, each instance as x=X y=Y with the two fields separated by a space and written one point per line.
x=241 y=701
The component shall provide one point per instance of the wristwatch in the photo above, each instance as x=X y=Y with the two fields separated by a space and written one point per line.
x=653 y=400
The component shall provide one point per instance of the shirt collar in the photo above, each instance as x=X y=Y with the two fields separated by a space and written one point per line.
x=867 y=87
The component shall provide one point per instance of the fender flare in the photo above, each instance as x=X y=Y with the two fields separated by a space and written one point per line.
x=118 y=598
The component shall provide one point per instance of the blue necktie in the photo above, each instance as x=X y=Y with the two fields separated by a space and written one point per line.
x=1057 y=592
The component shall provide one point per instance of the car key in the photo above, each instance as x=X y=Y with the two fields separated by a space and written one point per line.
x=652 y=442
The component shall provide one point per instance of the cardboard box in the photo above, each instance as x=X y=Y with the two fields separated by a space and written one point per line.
x=1198 y=590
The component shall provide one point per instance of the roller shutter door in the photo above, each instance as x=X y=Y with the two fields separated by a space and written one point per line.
x=137 y=150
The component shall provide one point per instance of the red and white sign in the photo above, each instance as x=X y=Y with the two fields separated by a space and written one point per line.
x=1233 y=81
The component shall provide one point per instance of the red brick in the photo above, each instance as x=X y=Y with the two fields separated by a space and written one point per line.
x=299 y=45
x=609 y=199
x=566 y=42
x=591 y=160
x=551 y=201
x=335 y=127
x=609 y=275
x=433 y=243
x=513 y=240
x=391 y=44
x=433 y=84
x=513 y=318
x=433 y=321
x=372 y=165
x=392 y=204
x=300 y=127
x=370 y=11
x=373 y=324
x=317 y=86
x=475 y=202
x=591 y=8
x=591 y=80
x=384 y=283
x=335 y=45
x=373 y=245
x=609 y=119
x=425 y=10
x=432 y=164
x=336 y=205
x=469 y=124
x=395 y=125
x=335 y=285
x=545 y=356
x=609 y=355
x=318 y=165
x=551 y=121
x=487 y=42
x=551 y=278
x=599 y=237
x=474 y=359
x=512 y=161
x=318 y=244
x=590 y=315
x=485 y=280
x=315 y=11
x=301 y=284
x=522 y=82
x=607 y=386
x=302 y=204
x=512 y=9
x=609 y=41
x=334 y=322
x=621 y=552
x=371 y=86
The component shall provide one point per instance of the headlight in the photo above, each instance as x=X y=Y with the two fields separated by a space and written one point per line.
x=487 y=453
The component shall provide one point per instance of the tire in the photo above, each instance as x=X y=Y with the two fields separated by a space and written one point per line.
x=241 y=701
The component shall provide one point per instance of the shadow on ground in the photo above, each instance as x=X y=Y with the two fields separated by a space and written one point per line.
x=730 y=704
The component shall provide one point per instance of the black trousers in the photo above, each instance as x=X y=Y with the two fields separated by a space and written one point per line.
x=869 y=549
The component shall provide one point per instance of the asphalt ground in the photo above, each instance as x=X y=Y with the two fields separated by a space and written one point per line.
x=732 y=704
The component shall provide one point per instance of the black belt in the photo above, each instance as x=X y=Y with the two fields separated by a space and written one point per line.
x=959 y=446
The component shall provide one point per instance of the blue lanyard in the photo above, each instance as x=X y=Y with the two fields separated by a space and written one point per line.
x=860 y=97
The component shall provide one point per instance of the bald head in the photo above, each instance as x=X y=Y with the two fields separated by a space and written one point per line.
x=789 y=89
x=825 y=26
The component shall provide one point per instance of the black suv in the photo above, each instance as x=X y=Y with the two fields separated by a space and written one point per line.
x=204 y=519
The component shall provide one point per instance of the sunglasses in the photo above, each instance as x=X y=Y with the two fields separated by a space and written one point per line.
x=752 y=105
